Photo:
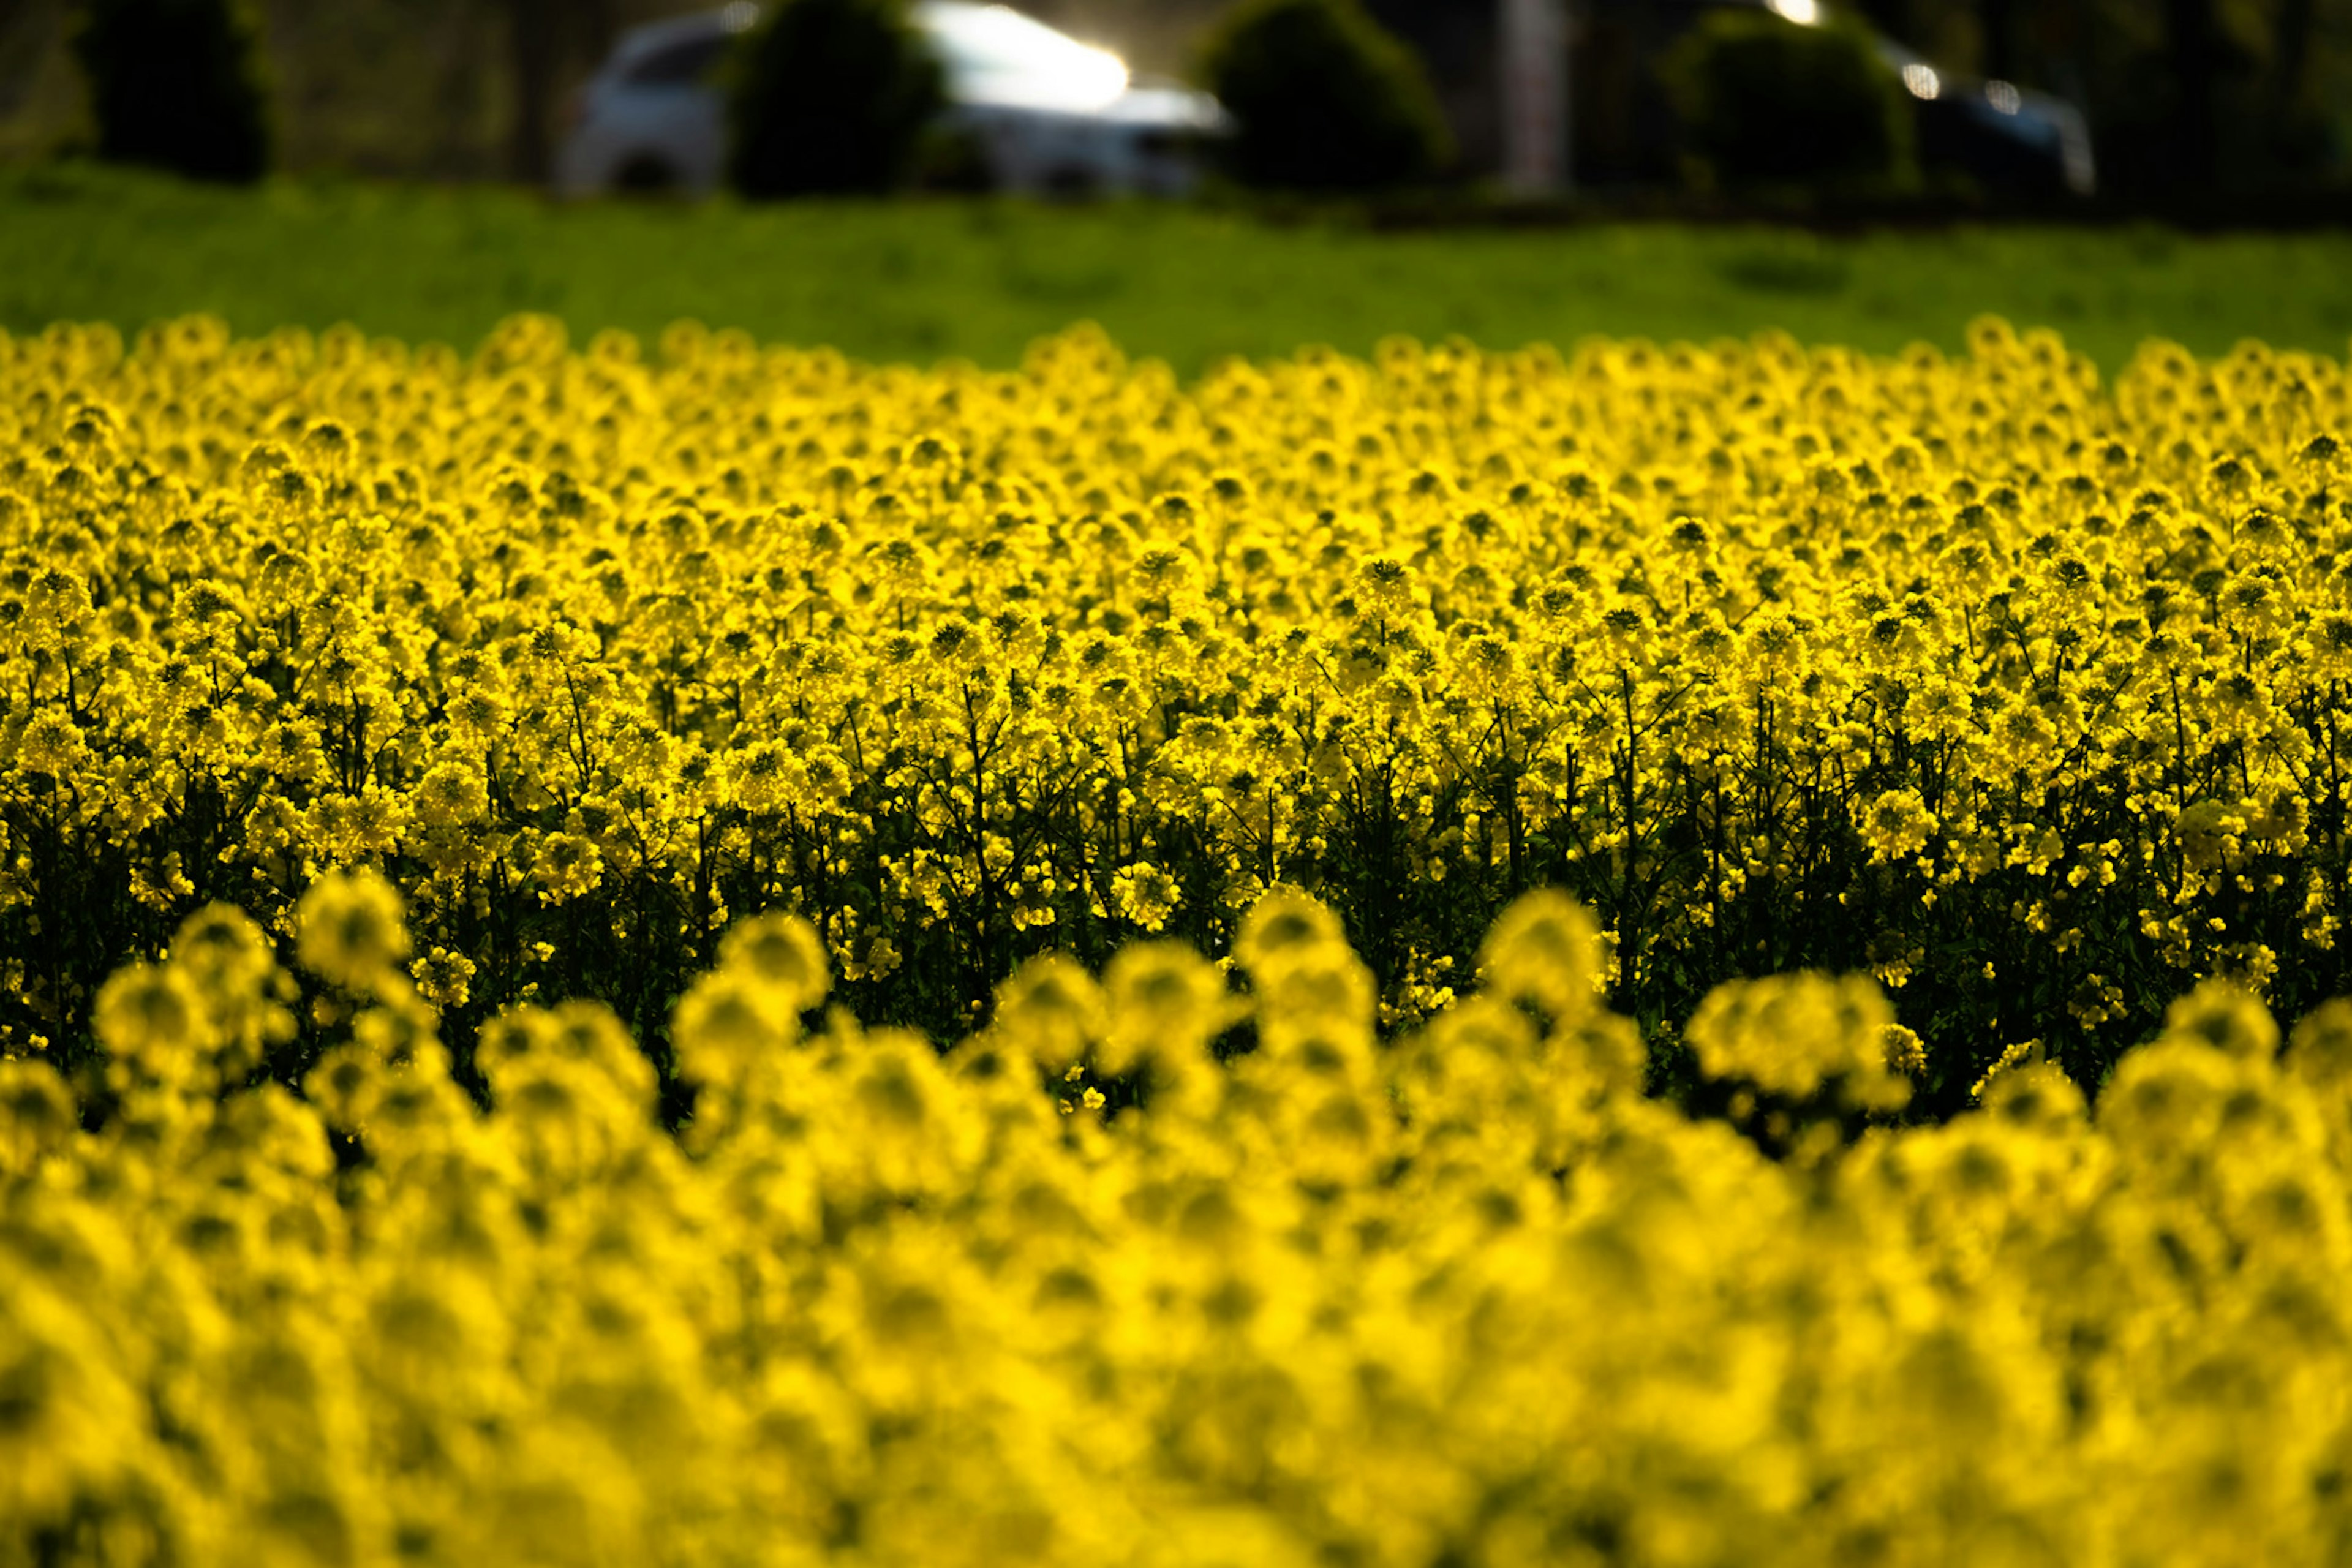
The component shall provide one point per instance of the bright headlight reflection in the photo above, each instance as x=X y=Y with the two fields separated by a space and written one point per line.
x=1804 y=12
x=2004 y=97
x=1922 y=80
x=993 y=54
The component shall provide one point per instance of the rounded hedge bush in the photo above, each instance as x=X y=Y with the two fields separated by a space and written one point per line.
x=178 y=85
x=1322 y=98
x=1766 y=101
x=831 y=97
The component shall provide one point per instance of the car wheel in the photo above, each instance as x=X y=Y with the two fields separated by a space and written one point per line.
x=1071 y=183
x=646 y=175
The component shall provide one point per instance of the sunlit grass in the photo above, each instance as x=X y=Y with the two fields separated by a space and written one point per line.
x=979 y=279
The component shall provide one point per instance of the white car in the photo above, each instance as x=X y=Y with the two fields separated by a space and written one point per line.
x=1049 y=114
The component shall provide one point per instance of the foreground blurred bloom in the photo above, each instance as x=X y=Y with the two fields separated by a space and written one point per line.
x=1544 y=949
x=781 y=953
x=1793 y=1035
x=874 y=1280
x=351 y=929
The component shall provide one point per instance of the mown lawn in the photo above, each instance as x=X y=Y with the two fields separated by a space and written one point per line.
x=978 y=279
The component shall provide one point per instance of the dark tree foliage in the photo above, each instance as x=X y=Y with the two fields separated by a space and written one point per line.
x=178 y=85
x=1767 y=102
x=1323 y=99
x=831 y=97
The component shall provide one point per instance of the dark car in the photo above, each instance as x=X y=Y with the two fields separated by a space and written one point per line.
x=2008 y=140
x=2005 y=137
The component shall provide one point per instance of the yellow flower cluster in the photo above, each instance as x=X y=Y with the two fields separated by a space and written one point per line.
x=2022 y=693
x=1466 y=1297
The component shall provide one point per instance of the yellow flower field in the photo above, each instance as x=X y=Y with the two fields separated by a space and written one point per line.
x=1466 y=1297
x=2018 y=692
x=1661 y=955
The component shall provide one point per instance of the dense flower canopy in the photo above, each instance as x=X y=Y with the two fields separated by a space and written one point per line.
x=2020 y=693
x=1462 y=1297
x=1661 y=956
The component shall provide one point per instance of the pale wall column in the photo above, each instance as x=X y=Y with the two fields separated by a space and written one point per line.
x=1534 y=73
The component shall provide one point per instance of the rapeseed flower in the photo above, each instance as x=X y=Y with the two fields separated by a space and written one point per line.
x=1438 y=715
x=875 y=1278
x=352 y=930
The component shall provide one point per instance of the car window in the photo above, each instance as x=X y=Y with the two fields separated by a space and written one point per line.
x=678 y=65
x=993 y=54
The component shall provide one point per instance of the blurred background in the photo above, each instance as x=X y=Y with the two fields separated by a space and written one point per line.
x=1203 y=178
x=2179 y=96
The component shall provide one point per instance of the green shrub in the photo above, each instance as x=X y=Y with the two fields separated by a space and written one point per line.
x=1765 y=102
x=178 y=85
x=1323 y=99
x=831 y=97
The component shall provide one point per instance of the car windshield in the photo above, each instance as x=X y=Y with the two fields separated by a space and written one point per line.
x=686 y=62
x=993 y=54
